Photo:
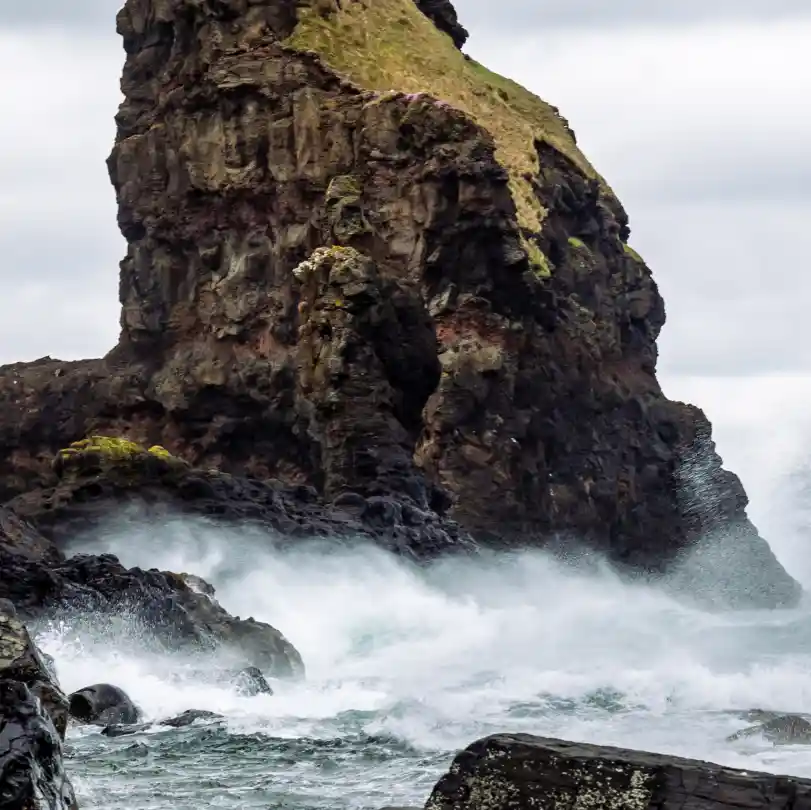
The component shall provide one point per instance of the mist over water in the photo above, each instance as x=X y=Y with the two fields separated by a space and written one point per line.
x=406 y=665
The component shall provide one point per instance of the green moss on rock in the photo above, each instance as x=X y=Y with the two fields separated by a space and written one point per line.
x=344 y=211
x=537 y=260
x=629 y=251
x=95 y=454
x=382 y=45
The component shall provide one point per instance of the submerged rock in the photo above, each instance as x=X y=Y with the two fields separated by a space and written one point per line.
x=183 y=720
x=516 y=771
x=33 y=718
x=103 y=704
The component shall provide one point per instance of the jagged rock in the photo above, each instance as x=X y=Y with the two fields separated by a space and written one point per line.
x=100 y=474
x=103 y=704
x=33 y=719
x=21 y=661
x=516 y=771
x=501 y=314
x=251 y=682
x=444 y=16
x=175 y=614
x=785 y=729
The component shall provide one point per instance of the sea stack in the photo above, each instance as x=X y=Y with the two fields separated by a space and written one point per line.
x=360 y=261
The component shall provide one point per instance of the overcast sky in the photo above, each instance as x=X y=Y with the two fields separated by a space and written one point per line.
x=696 y=111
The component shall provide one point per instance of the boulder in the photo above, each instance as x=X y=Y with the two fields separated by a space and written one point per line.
x=33 y=718
x=103 y=704
x=518 y=771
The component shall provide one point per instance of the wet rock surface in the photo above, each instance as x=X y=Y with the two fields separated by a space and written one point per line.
x=33 y=720
x=183 y=720
x=512 y=772
x=102 y=704
x=779 y=729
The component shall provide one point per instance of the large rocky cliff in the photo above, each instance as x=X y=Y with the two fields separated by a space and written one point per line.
x=360 y=260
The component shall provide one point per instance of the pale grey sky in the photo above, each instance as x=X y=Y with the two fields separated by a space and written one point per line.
x=696 y=112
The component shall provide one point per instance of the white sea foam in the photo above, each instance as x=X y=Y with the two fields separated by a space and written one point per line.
x=440 y=656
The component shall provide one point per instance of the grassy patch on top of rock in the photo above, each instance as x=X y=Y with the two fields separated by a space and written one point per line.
x=388 y=45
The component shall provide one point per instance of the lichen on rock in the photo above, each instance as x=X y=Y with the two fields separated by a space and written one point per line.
x=102 y=453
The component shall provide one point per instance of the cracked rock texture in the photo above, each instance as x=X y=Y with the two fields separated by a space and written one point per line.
x=33 y=720
x=517 y=771
x=490 y=348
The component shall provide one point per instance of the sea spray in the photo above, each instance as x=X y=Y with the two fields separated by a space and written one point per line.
x=406 y=664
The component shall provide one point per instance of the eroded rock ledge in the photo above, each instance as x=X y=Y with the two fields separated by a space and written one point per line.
x=495 y=352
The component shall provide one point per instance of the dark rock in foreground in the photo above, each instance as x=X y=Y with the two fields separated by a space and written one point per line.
x=41 y=581
x=519 y=771
x=33 y=718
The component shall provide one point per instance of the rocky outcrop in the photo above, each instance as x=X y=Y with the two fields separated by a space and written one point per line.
x=444 y=17
x=160 y=602
x=102 y=476
x=33 y=720
x=512 y=772
x=488 y=345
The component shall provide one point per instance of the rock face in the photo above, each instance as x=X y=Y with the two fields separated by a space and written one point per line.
x=162 y=602
x=33 y=719
x=469 y=328
x=512 y=772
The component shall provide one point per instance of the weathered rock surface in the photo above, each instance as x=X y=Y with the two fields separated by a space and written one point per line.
x=161 y=602
x=102 y=704
x=495 y=336
x=33 y=719
x=779 y=729
x=99 y=476
x=513 y=772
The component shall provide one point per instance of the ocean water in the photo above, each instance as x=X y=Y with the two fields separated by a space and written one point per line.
x=407 y=666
